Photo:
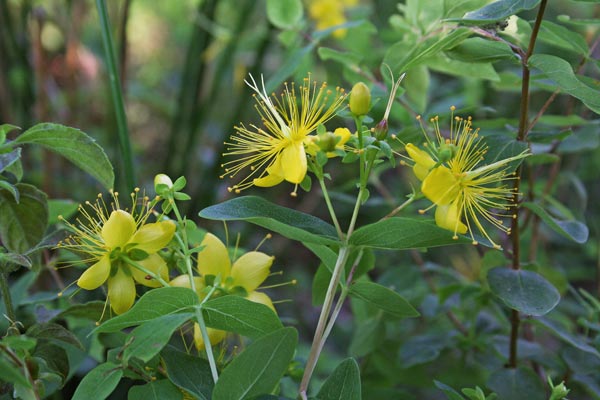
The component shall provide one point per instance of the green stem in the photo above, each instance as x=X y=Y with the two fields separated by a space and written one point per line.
x=330 y=208
x=206 y=338
x=117 y=96
x=10 y=311
x=313 y=356
x=145 y=270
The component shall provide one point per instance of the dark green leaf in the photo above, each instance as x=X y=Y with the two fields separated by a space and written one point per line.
x=320 y=284
x=10 y=188
x=325 y=254
x=153 y=304
x=55 y=333
x=12 y=374
x=23 y=224
x=287 y=222
x=367 y=336
x=8 y=159
x=578 y=342
x=383 y=298
x=450 y=393
x=496 y=11
x=91 y=310
x=524 y=291
x=55 y=357
x=284 y=14
x=563 y=38
x=570 y=229
x=481 y=70
x=343 y=383
x=74 y=145
x=239 y=315
x=480 y=50
x=423 y=348
x=517 y=384
x=150 y=337
x=158 y=390
x=99 y=383
x=17 y=259
x=403 y=233
x=190 y=373
x=561 y=72
x=258 y=369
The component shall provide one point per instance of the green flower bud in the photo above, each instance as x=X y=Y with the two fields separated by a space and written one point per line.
x=559 y=391
x=360 y=99
x=446 y=152
x=381 y=130
x=162 y=183
x=328 y=141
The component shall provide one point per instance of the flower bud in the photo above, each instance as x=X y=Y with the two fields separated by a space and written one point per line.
x=559 y=391
x=328 y=141
x=360 y=99
x=162 y=183
x=381 y=130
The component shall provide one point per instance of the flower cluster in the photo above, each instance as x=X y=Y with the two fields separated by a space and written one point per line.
x=464 y=189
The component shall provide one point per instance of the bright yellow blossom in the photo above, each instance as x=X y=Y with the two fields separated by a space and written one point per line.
x=465 y=190
x=121 y=247
x=328 y=13
x=243 y=277
x=277 y=152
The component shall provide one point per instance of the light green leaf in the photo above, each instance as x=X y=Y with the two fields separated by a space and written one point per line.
x=150 y=337
x=190 y=373
x=383 y=298
x=61 y=207
x=563 y=38
x=8 y=159
x=343 y=383
x=561 y=72
x=157 y=390
x=99 y=383
x=347 y=59
x=524 y=291
x=153 y=304
x=417 y=87
x=444 y=64
x=496 y=11
x=239 y=315
x=284 y=14
x=290 y=223
x=23 y=224
x=4 y=129
x=570 y=229
x=403 y=233
x=479 y=50
x=516 y=384
x=258 y=369
x=74 y=145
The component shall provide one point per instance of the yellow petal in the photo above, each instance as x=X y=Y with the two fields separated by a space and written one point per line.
x=214 y=335
x=293 y=162
x=118 y=229
x=251 y=269
x=154 y=263
x=259 y=297
x=184 y=281
x=121 y=291
x=95 y=275
x=274 y=175
x=441 y=186
x=344 y=134
x=448 y=217
x=153 y=237
x=423 y=161
x=213 y=259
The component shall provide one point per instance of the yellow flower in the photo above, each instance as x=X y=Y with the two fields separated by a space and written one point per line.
x=277 y=152
x=328 y=142
x=454 y=176
x=328 y=13
x=122 y=248
x=244 y=276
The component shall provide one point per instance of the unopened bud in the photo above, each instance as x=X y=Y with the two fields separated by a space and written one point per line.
x=162 y=179
x=559 y=391
x=360 y=99
x=381 y=130
x=328 y=141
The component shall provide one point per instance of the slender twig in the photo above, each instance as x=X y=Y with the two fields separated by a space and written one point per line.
x=330 y=208
x=10 y=311
x=117 y=95
x=123 y=42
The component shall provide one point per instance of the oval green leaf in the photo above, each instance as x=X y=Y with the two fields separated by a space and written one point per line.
x=517 y=384
x=23 y=224
x=190 y=373
x=284 y=14
x=99 y=383
x=258 y=369
x=571 y=229
x=383 y=298
x=343 y=383
x=74 y=145
x=158 y=390
x=524 y=291
x=290 y=223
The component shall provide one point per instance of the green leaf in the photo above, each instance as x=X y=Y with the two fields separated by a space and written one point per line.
x=190 y=373
x=417 y=87
x=347 y=59
x=367 y=336
x=239 y=315
x=153 y=304
x=92 y=311
x=481 y=70
x=290 y=223
x=496 y=11
x=383 y=298
x=561 y=72
x=325 y=254
x=258 y=368
x=99 y=383
x=580 y=343
x=450 y=393
x=320 y=284
x=17 y=259
x=479 y=50
x=23 y=224
x=284 y=14
x=423 y=349
x=4 y=129
x=8 y=159
x=12 y=374
x=55 y=333
x=61 y=207
x=10 y=188
x=516 y=384
x=74 y=145
x=563 y=38
x=570 y=229
x=343 y=383
x=55 y=357
x=158 y=390
x=524 y=291
x=403 y=233
x=150 y=337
